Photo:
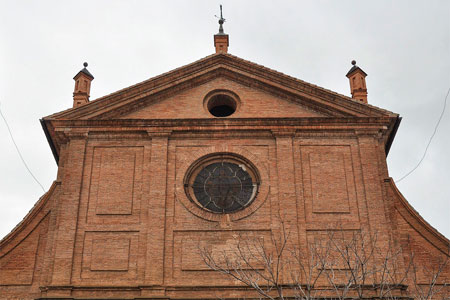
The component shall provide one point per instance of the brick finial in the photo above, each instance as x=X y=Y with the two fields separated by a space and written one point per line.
x=82 y=86
x=221 y=41
x=357 y=79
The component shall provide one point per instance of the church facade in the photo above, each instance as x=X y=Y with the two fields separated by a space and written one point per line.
x=206 y=156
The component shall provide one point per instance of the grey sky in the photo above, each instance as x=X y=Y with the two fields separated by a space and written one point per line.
x=404 y=46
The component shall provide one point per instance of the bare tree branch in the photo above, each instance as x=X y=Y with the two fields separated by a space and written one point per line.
x=337 y=264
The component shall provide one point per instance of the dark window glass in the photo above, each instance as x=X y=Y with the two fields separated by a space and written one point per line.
x=224 y=187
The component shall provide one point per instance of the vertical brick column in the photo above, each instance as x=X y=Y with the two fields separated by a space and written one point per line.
x=156 y=209
x=61 y=162
x=67 y=214
x=372 y=182
x=379 y=225
x=285 y=212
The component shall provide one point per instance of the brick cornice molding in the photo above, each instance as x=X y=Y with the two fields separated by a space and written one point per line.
x=64 y=130
x=284 y=132
x=375 y=133
x=76 y=134
x=154 y=133
x=192 y=124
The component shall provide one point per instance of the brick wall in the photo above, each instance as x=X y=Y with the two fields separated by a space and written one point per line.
x=121 y=225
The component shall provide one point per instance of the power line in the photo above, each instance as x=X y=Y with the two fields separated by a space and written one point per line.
x=18 y=151
x=404 y=176
x=429 y=142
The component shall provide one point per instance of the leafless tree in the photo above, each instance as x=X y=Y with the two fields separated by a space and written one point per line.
x=253 y=263
x=355 y=267
x=338 y=264
x=428 y=287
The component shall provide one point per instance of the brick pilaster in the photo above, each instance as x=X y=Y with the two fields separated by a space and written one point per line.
x=67 y=214
x=154 y=271
x=286 y=213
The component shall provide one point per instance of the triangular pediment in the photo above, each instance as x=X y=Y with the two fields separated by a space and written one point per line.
x=180 y=94
x=192 y=103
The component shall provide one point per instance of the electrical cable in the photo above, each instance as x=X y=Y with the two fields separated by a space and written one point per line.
x=429 y=142
x=18 y=151
x=403 y=177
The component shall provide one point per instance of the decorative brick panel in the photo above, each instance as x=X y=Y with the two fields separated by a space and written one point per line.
x=115 y=183
x=329 y=186
x=221 y=244
x=328 y=183
x=110 y=256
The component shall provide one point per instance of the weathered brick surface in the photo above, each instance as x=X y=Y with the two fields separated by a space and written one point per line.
x=118 y=223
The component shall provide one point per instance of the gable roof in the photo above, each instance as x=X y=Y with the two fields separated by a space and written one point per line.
x=123 y=102
x=222 y=64
x=353 y=69
x=86 y=72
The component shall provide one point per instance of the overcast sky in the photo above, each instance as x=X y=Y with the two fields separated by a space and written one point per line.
x=403 y=46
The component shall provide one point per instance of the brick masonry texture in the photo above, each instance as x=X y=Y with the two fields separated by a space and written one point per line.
x=117 y=222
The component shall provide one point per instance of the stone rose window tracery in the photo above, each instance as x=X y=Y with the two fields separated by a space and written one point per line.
x=222 y=184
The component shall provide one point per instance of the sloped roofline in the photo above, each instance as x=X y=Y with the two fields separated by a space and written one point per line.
x=417 y=222
x=329 y=103
x=259 y=71
x=30 y=216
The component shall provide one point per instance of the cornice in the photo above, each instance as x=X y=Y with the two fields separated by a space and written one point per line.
x=284 y=132
x=117 y=105
x=65 y=130
x=155 y=133
x=78 y=126
x=211 y=67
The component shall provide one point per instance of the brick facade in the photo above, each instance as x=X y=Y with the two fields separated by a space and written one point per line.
x=117 y=222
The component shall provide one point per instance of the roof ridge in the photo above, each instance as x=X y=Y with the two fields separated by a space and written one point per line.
x=308 y=83
x=249 y=63
x=156 y=77
x=136 y=84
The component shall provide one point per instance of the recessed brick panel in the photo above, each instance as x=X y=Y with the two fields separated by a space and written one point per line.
x=110 y=254
x=116 y=165
x=115 y=183
x=220 y=245
x=190 y=245
x=329 y=186
x=328 y=182
x=331 y=244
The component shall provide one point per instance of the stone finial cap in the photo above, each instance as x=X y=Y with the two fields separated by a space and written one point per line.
x=354 y=68
x=84 y=71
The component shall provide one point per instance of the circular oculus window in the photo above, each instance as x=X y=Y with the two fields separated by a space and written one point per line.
x=221 y=103
x=222 y=185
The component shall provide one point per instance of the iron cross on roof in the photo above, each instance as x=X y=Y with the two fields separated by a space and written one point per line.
x=221 y=20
